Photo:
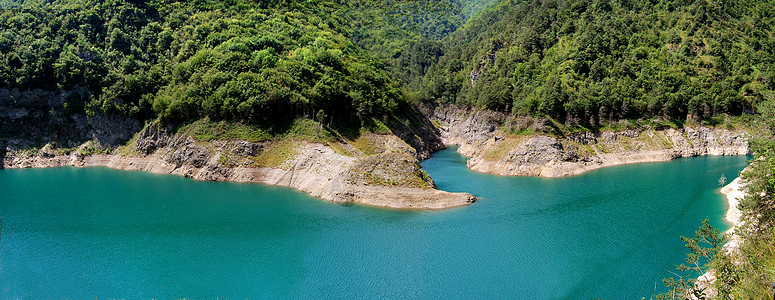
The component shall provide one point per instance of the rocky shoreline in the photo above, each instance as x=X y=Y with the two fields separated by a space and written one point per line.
x=314 y=168
x=734 y=193
x=491 y=150
x=386 y=175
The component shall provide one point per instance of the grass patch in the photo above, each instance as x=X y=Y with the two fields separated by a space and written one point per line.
x=206 y=131
x=558 y=129
x=88 y=149
x=128 y=148
x=309 y=130
x=364 y=144
x=373 y=125
x=502 y=148
x=64 y=151
x=225 y=160
x=29 y=152
x=277 y=154
x=660 y=123
x=391 y=169
x=583 y=150
x=666 y=142
x=419 y=179
x=599 y=148
x=341 y=148
x=619 y=125
x=743 y=121
x=519 y=131
x=302 y=129
x=657 y=141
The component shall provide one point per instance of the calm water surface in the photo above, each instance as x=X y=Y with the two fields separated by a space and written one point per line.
x=101 y=233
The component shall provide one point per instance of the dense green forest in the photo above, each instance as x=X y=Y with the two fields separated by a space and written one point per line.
x=473 y=7
x=406 y=37
x=588 y=62
x=256 y=62
x=259 y=62
x=582 y=63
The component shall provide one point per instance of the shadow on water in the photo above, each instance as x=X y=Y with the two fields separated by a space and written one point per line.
x=3 y=146
x=346 y=204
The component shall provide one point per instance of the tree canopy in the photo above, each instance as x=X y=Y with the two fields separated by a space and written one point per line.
x=253 y=61
x=579 y=62
x=588 y=62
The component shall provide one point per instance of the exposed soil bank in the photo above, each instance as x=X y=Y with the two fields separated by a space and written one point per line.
x=390 y=178
x=492 y=151
x=387 y=175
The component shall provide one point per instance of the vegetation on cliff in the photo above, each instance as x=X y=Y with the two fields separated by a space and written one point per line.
x=577 y=63
x=406 y=37
x=258 y=70
x=748 y=272
x=255 y=62
x=590 y=62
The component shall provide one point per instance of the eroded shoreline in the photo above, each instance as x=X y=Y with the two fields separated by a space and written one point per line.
x=491 y=150
x=734 y=193
x=314 y=168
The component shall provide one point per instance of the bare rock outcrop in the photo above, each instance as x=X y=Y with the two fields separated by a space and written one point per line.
x=469 y=128
x=30 y=116
x=419 y=133
x=391 y=178
x=492 y=151
x=39 y=129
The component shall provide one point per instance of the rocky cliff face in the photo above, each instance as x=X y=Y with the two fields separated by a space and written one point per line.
x=389 y=178
x=38 y=129
x=471 y=127
x=493 y=151
x=418 y=132
x=27 y=120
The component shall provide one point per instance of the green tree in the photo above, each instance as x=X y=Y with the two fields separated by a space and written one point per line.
x=321 y=118
x=707 y=244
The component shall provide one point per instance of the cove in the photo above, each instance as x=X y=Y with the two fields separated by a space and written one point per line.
x=102 y=233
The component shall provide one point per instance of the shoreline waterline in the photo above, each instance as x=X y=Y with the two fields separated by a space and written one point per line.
x=316 y=170
x=733 y=192
x=580 y=168
x=578 y=237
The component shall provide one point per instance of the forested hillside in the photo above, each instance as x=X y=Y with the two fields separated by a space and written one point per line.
x=254 y=62
x=581 y=63
x=405 y=36
x=589 y=62
x=584 y=64
x=474 y=7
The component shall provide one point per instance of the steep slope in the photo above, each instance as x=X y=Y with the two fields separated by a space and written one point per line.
x=246 y=91
x=587 y=63
x=405 y=36
x=251 y=62
x=387 y=176
x=482 y=136
x=472 y=8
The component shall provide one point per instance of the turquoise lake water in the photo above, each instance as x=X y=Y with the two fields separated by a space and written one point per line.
x=102 y=233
